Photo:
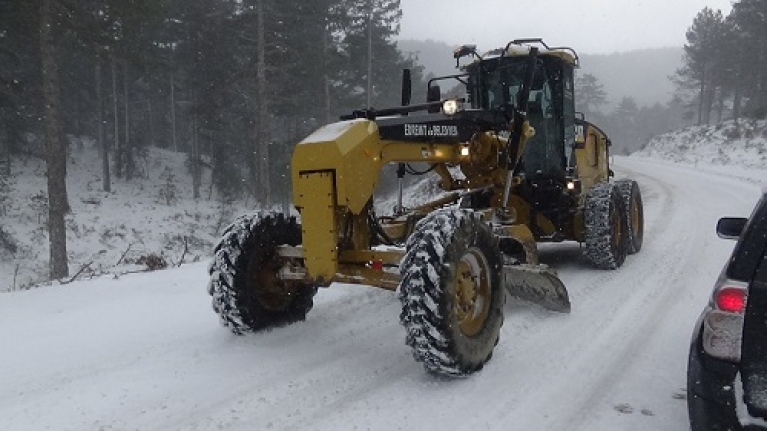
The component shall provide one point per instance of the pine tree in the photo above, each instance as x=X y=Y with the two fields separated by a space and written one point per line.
x=4 y=193
x=625 y=116
x=591 y=95
x=750 y=27
x=704 y=64
x=169 y=189
x=56 y=152
x=20 y=72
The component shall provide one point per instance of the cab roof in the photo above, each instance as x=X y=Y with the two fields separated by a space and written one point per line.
x=522 y=50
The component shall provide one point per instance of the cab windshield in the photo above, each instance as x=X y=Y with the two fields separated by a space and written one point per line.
x=496 y=84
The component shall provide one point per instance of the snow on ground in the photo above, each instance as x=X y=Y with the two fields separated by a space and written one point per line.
x=135 y=217
x=145 y=352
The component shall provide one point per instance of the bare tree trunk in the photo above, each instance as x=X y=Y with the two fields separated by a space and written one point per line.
x=702 y=97
x=5 y=151
x=736 y=101
x=720 y=105
x=173 y=112
x=263 y=135
x=151 y=127
x=118 y=147
x=763 y=78
x=102 y=143
x=325 y=47
x=709 y=104
x=128 y=146
x=77 y=131
x=195 y=156
x=56 y=151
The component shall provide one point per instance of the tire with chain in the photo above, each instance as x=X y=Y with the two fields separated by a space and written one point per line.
x=247 y=294
x=632 y=202
x=451 y=293
x=605 y=227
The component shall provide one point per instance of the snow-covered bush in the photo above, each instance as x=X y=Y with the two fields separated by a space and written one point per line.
x=168 y=190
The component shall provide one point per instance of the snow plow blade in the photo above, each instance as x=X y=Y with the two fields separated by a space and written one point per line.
x=538 y=284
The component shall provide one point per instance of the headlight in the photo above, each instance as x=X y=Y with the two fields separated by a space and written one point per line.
x=451 y=106
x=574 y=185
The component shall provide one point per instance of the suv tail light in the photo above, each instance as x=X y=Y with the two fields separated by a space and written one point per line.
x=723 y=320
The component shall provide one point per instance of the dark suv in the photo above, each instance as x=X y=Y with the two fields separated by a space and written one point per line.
x=727 y=368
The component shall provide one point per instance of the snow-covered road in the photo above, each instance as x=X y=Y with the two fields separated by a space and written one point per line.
x=145 y=352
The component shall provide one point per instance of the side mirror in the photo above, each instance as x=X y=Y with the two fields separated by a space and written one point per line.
x=730 y=227
x=407 y=87
x=434 y=95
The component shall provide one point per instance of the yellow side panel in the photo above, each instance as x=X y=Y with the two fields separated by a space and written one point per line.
x=352 y=150
x=318 y=224
x=591 y=158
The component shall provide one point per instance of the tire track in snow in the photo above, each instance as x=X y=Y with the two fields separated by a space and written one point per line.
x=534 y=345
x=678 y=241
x=576 y=364
x=641 y=315
x=548 y=351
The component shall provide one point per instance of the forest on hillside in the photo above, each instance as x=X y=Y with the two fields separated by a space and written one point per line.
x=187 y=74
x=234 y=84
x=723 y=76
x=725 y=63
x=231 y=83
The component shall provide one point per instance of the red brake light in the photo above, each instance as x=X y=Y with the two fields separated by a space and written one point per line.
x=731 y=300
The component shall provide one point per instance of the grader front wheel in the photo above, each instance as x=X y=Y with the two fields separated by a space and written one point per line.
x=472 y=292
x=452 y=299
x=247 y=294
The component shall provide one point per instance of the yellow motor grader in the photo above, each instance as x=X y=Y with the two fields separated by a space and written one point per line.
x=518 y=167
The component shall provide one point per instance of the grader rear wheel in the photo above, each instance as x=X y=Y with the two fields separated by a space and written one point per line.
x=452 y=298
x=605 y=226
x=632 y=201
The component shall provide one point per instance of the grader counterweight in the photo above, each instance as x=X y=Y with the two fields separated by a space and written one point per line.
x=530 y=170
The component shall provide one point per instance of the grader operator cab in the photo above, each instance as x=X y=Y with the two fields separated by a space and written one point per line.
x=518 y=167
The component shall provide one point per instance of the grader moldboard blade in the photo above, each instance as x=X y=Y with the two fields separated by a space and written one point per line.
x=538 y=284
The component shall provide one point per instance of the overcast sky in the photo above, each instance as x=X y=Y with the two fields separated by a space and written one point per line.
x=588 y=26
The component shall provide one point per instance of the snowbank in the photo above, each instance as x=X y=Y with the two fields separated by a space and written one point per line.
x=728 y=143
x=716 y=149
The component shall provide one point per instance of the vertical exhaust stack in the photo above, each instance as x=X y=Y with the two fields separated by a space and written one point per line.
x=407 y=94
x=407 y=87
